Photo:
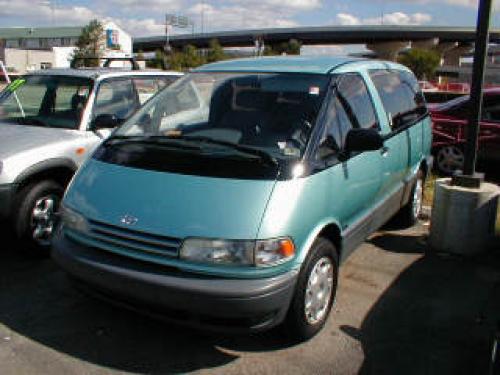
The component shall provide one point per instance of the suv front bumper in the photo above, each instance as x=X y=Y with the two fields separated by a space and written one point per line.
x=214 y=303
x=7 y=193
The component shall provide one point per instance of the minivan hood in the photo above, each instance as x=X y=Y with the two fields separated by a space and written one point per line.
x=15 y=139
x=169 y=204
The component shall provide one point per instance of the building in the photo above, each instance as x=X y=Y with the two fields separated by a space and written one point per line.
x=24 y=49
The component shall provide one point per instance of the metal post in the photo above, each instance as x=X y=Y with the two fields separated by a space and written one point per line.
x=7 y=79
x=470 y=178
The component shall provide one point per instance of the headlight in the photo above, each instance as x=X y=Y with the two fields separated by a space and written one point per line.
x=238 y=252
x=271 y=252
x=218 y=251
x=73 y=220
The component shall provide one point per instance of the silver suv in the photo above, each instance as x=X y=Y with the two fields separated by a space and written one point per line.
x=50 y=121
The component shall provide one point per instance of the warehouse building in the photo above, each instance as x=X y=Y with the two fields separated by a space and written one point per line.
x=24 y=49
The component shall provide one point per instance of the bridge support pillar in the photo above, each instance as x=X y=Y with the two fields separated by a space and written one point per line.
x=452 y=56
x=387 y=50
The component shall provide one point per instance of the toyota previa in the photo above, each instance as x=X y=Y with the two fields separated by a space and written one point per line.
x=231 y=198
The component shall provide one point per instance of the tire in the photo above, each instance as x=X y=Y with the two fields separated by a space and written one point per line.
x=409 y=214
x=35 y=219
x=303 y=322
x=449 y=159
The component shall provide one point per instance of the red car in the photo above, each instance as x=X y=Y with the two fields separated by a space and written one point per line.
x=449 y=129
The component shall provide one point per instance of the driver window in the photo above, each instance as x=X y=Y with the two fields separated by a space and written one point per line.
x=337 y=127
x=353 y=94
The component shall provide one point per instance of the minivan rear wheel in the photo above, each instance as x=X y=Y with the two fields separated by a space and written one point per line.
x=34 y=222
x=412 y=211
x=315 y=291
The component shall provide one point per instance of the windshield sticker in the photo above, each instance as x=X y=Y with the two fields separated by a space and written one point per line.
x=16 y=84
x=173 y=133
x=291 y=151
x=314 y=90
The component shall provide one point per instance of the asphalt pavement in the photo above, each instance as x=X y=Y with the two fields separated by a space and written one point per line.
x=397 y=311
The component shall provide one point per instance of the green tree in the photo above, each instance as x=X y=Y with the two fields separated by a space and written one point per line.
x=90 y=45
x=157 y=62
x=192 y=57
x=292 y=47
x=215 y=51
x=422 y=62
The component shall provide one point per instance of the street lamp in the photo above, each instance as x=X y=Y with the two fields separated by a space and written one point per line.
x=469 y=177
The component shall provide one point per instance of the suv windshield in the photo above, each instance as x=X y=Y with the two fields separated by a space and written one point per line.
x=271 y=113
x=44 y=100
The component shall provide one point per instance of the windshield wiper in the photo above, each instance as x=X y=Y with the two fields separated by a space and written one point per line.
x=155 y=140
x=263 y=155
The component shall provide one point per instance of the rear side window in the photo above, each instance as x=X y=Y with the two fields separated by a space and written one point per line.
x=355 y=99
x=146 y=87
x=116 y=97
x=401 y=96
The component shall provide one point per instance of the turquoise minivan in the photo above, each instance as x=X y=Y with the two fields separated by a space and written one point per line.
x=231 y=198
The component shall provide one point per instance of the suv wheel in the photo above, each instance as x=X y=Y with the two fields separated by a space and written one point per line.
x=34 y=222
x=315 y=291
x=450 y=159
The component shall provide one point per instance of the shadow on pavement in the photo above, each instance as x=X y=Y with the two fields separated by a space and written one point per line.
x=37 y=301
x=437 y=317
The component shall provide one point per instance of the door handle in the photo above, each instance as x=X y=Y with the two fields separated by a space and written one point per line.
x=384 y=150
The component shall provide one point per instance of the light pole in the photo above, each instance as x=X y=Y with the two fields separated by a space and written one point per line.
x=470 y=178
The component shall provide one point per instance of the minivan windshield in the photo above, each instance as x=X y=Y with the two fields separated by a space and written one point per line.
x=268 y=112
x=45 y=100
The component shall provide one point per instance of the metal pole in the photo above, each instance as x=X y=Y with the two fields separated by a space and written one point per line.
x=480 y=55
x=7 y=79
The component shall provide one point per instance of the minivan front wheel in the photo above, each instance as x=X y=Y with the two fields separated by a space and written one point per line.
x=35 y=219
x=315 y=291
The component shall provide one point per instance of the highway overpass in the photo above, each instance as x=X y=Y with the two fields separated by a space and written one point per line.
x=385 y=36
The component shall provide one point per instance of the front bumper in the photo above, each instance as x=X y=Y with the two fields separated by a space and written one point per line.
x=232 y=305
x=7 y=193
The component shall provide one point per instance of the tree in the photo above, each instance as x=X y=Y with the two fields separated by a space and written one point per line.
x=422 y=62
x=215 y=51
x=192 y=57
x=157 y=62
x=292 y=47
x=90 y=45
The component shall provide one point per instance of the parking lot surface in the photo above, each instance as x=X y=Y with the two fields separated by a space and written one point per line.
x=397 y=312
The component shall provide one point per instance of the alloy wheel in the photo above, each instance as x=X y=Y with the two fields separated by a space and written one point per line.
x=319 y=290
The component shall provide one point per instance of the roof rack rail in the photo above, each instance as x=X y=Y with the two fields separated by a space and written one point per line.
x=107 y=61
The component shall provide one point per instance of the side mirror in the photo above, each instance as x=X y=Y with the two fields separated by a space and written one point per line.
x=359 y=140
x=105 y=121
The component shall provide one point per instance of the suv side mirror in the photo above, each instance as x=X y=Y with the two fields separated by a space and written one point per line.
x=105 y=121
x=359 y=140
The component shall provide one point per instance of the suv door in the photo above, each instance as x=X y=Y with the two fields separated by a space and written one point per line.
x=116 y=97
x=489 y=131
x=356 y=178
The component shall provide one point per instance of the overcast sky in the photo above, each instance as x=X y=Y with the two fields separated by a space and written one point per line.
x=145 y=17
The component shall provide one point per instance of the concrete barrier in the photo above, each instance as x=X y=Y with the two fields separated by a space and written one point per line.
x=463 y=219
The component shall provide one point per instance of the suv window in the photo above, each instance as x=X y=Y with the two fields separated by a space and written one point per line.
x=45 y=100
x=491 y=108
x=116 y=97
x=356 y=101
x=146 y=87
x=401 y=96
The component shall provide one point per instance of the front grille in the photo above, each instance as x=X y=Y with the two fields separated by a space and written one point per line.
x=118 y=239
